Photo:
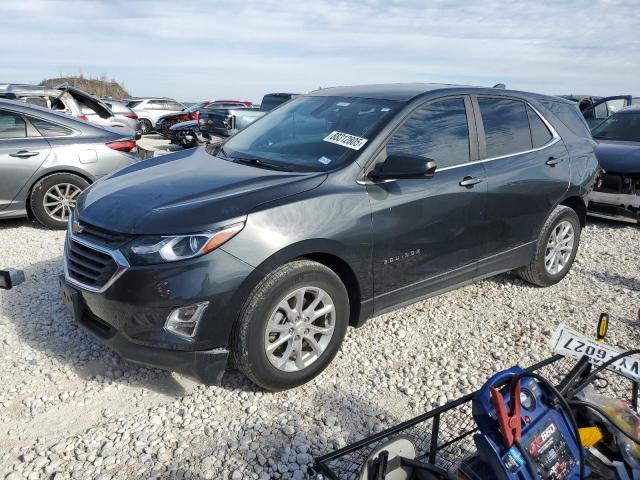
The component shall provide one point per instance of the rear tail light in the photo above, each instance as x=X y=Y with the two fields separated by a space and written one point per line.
x=83 y=117
x=122 y=145
x=132 y=115
x=194 y=115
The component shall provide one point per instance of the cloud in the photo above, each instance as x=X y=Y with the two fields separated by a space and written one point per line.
x=194 y=50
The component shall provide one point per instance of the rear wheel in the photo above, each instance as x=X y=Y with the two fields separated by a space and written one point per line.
x=145 y=126
x=292 y=325
x=54 y=196
x=556 y=249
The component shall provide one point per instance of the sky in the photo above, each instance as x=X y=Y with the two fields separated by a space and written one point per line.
x=196 y=50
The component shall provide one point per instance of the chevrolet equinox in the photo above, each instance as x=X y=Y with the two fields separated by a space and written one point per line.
x=337 y=206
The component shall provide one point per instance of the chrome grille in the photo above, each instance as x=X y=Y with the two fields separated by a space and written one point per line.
x=89 y=266
x=101 y=236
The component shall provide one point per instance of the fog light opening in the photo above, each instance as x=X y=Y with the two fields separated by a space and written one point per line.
x=184 y=321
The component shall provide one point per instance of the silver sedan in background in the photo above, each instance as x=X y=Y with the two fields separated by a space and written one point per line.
x=48 y=158
x=123 y=113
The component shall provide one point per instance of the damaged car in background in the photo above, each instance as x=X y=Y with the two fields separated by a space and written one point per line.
x=617 y=191
x=597 y=109
x=69 y=100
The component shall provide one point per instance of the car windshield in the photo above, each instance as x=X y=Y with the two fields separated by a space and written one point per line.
x=621 y=126
x=195 y=107
x=311 y=133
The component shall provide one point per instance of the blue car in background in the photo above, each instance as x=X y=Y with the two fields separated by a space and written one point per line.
x=617 y=191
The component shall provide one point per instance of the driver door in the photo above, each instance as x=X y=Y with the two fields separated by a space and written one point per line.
x=428 y=232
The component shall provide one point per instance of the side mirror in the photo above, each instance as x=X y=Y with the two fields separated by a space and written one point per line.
x=404 y=166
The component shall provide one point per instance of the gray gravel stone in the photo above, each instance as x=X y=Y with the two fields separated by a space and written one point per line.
x=71 y=407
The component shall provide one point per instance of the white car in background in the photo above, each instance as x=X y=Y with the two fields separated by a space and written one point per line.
x=149 y=110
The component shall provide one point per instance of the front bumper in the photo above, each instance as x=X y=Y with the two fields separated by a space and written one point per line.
x=207 y=366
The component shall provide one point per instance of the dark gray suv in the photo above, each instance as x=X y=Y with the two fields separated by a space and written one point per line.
x=336 y=206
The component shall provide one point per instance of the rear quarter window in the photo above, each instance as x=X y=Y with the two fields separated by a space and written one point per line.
x=570 y=116
x=49 y=129
x=540 y=134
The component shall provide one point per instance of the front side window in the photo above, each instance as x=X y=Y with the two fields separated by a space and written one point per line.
x=506 y=126
x=12 y=125
x=621 y=126
x=438 y=131
x=311 y=133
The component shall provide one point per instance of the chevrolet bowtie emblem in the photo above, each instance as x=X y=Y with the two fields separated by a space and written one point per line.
x=76 y=228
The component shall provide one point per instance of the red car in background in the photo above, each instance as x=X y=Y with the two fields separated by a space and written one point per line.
x=165 y=122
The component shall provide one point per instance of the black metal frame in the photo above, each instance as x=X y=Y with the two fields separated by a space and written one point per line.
x=328 y=466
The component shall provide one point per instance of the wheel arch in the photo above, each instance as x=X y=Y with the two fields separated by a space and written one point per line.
x=314 y=250
x=42 y=175
x=577 y=204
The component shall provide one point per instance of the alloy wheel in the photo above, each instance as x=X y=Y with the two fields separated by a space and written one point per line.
x=559 y=248
x=60 y=199
x=299 y=329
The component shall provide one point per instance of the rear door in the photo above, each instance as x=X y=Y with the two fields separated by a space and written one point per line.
x=604 y=108
x=527 y=169
x=22 y=151
x=425 y=230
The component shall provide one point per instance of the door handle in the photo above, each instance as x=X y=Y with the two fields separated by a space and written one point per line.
x=24 y=154
x=553 y=161
x=470 y=181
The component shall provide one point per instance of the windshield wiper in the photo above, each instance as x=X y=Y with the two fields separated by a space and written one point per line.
x=256 y=162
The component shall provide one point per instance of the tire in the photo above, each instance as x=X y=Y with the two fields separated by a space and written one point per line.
x=253 y=332
x=538 y=271
x=145 y=126
x=47 y=189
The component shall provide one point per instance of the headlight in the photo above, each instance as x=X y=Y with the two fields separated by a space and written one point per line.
x=161 y=249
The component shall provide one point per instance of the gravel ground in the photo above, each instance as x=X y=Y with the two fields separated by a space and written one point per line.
x=69 y=408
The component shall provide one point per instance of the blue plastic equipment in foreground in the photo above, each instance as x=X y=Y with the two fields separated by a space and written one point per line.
x=524 y=433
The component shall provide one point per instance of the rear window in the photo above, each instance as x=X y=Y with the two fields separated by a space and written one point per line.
x=12 y=125
x=269 y=102
x=49 y=129
x=174 y=106
x=134 y=103
x=506 y=126
x=39 y=101
x=540 y=134
x=570 y=116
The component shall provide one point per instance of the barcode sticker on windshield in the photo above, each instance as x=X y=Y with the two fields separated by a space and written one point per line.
x=346 y=140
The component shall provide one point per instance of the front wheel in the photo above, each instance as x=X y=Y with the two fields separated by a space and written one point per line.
x=54 y=196
x=556 y=248
x=291 y=326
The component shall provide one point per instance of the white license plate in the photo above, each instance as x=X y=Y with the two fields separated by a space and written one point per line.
x=570 y=343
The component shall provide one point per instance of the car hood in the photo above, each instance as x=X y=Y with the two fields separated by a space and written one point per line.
x=619 y=156
x=188 y=125
x=170 y=116
x=185 y=192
